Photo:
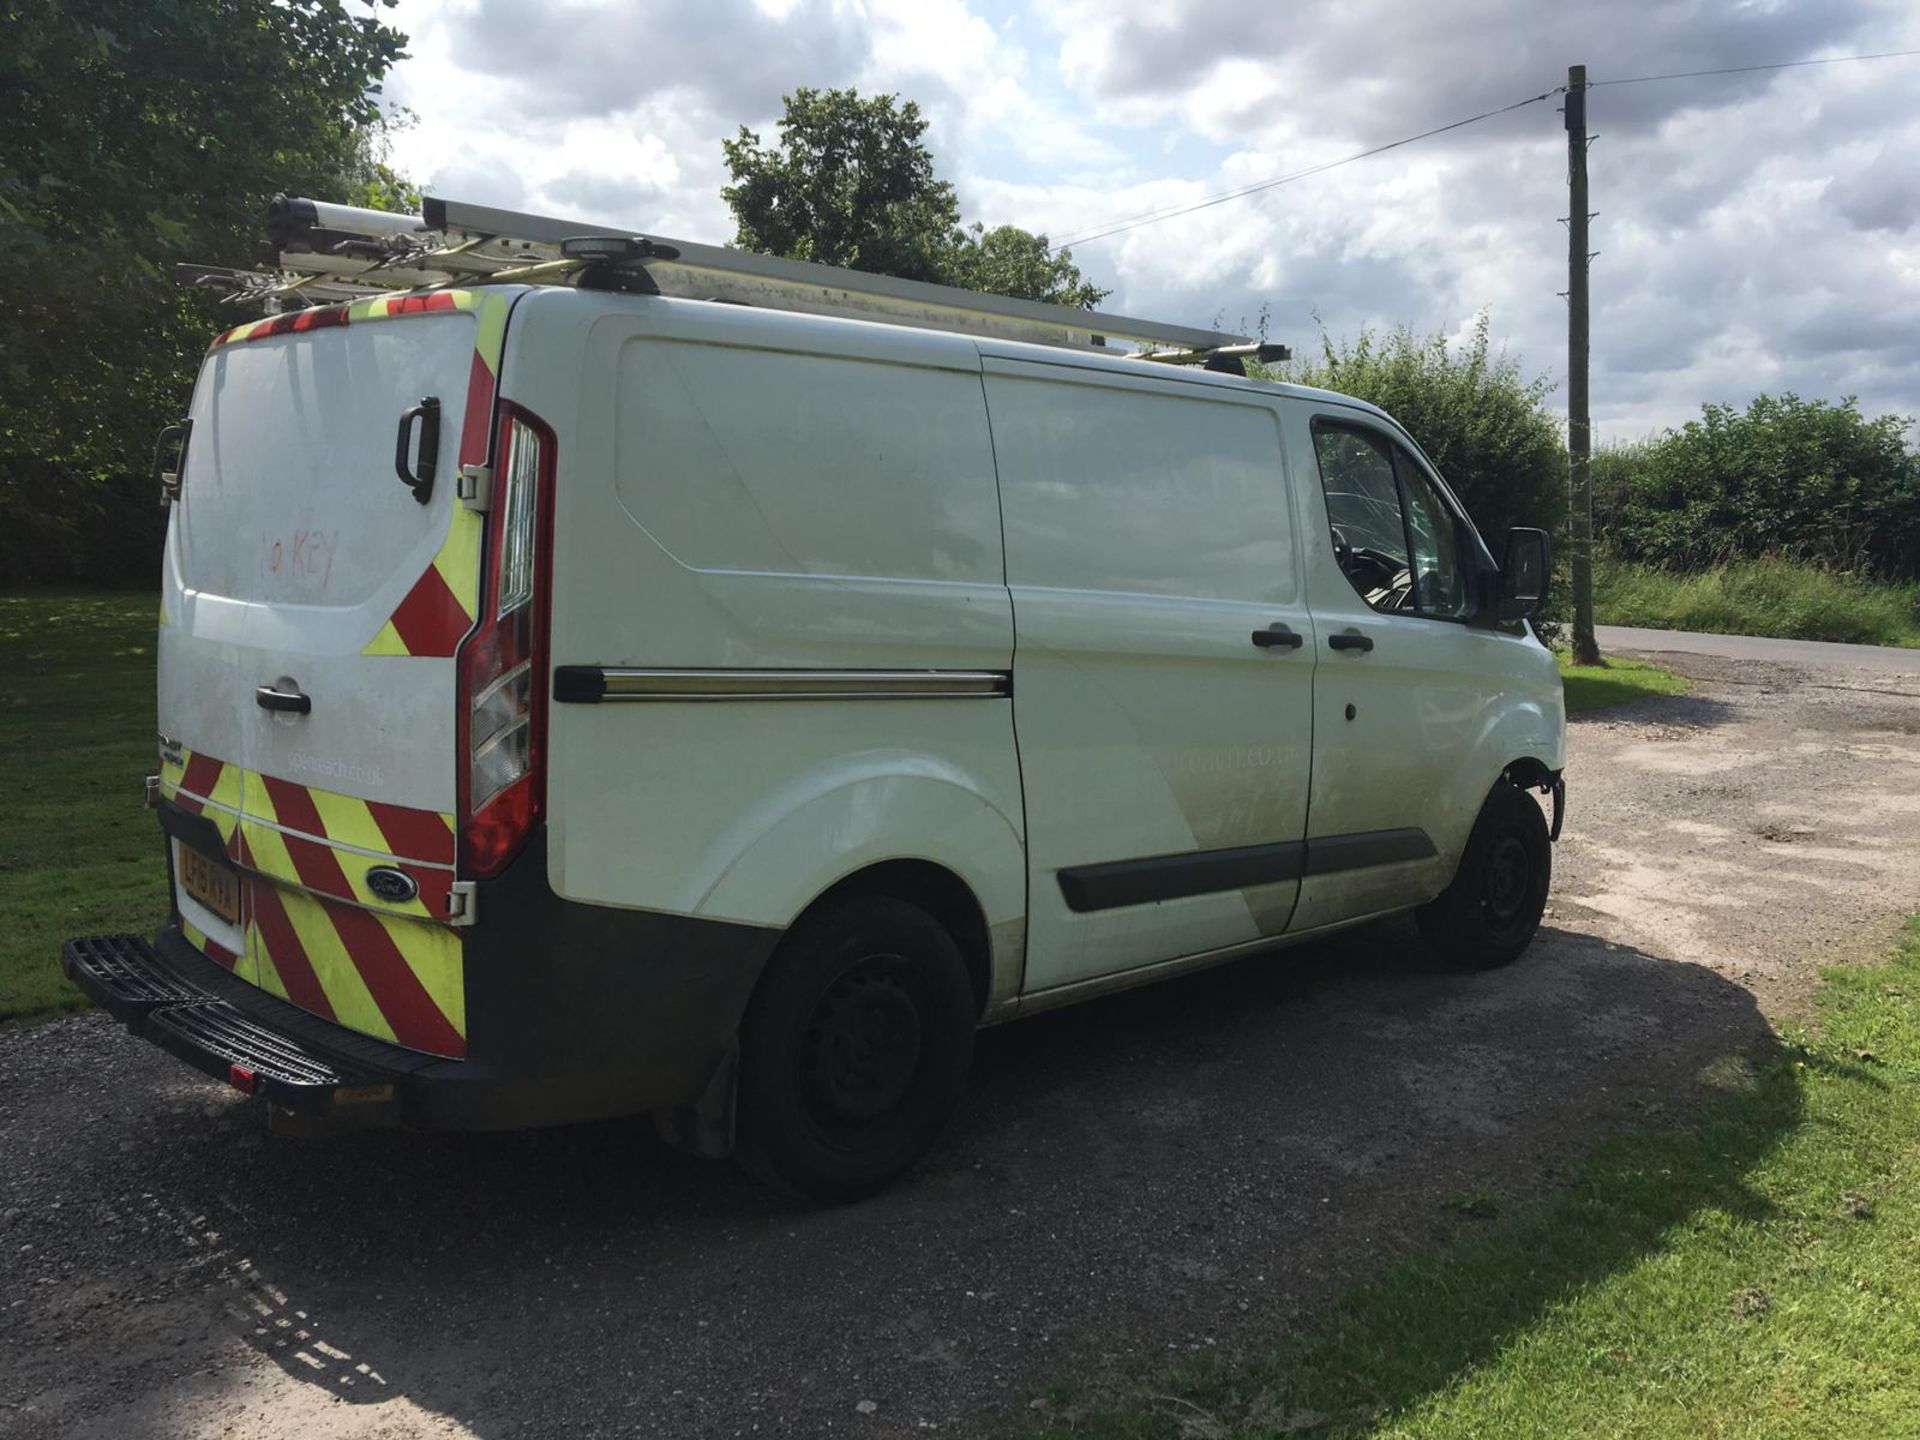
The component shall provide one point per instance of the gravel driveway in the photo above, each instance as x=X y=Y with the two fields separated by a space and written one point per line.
x=1188 y=1167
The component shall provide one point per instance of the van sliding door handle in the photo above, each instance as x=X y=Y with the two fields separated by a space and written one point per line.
x=1351 y=640
x=291 y=702
x=1278 y=635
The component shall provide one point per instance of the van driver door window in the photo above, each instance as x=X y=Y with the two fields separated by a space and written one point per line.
x=1393 y=536
x=1363 y=506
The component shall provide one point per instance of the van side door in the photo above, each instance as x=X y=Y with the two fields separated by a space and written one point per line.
x=1406 y=680
x=1163 y=665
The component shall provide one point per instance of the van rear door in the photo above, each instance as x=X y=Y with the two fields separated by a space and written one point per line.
x=313 y=608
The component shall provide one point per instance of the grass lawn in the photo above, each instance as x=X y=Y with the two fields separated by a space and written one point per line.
x=1614 y=682
x=1750 y=1273
x=1780 y=598
x=79 y=852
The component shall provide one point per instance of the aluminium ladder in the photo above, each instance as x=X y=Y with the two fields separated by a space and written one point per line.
x=324 y=253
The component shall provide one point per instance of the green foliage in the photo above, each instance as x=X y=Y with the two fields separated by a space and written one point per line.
x=1614 y=469
x=1800 y=478
x=79 y=852
x=134 y=134
x=1007 y=260
x=1484 y=426
x=1773 y=596
x=852 y=183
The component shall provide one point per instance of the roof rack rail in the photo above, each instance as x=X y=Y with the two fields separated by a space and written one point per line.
x=323 y=252
x=1227 y=359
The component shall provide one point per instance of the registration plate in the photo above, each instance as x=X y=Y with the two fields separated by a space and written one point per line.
x=214 y=885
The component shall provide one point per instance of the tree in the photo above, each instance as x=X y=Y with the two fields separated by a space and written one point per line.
x=1800 y=478
x=852 y=183
x=1010 y=261
x=1484 y=426
x=135 y=133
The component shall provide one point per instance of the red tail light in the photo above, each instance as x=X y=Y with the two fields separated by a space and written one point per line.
x=503 y=664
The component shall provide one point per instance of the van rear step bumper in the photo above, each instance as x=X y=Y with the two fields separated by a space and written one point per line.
x=173 y=1003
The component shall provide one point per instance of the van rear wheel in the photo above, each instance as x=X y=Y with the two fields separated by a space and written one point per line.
x=1489 y=914
x=855 y=1049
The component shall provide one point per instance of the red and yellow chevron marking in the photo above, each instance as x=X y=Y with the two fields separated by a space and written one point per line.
x=310 y=837
x=209 y=947
x=388 y=976
x=385 y=969
x=441 y=607
x=382 y=307
x=436 y=614
x=199 y=783
x=291 y=322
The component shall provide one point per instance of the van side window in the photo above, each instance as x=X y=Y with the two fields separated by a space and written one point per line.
x=1132 y=489
x=1439 y=580
x=1363 y=506
x=1395 y=539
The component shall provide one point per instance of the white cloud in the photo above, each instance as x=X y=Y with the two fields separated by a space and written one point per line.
x=1755 y=232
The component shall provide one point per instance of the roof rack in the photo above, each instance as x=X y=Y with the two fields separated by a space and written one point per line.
x=324 y=253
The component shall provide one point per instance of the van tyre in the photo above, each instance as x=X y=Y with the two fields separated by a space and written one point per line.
x=855 y=1049
x=1490 y=912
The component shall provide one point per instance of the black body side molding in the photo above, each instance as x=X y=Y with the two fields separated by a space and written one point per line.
x=1169 y=877
x=1115 y=883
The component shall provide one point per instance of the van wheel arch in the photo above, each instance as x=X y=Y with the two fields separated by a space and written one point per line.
x=705 y=1125
x=936 y=890
x=1529 y=773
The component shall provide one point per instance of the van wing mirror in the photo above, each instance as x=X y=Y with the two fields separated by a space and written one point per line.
x=1524 y=573
x=171 y=444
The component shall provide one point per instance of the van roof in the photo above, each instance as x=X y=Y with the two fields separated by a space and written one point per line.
x=946 y=347
x=1122 y=364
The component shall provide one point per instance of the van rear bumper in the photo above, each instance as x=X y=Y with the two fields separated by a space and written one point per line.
x=169 y=993
x=575 y=1013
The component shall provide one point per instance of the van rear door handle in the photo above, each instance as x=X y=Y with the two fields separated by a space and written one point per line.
x=417 y=476
x=291 y=702
x=1280 y=635
x=1350 y=640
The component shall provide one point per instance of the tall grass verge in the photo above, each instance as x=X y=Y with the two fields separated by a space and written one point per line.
x=1787 y=599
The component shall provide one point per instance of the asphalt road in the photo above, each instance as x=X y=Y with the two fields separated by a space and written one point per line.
x=1190 y=1168
x=1819 y=654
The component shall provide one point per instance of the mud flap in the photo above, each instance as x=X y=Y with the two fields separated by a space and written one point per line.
x=705 y=1128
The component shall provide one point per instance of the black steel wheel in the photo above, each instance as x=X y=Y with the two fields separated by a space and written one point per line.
x=1489 y=914
x=855 y=1049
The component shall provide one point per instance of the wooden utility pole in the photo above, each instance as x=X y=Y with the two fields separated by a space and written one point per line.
x=1586 y=650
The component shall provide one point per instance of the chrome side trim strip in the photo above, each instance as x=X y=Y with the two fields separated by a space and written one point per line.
x=590 y=684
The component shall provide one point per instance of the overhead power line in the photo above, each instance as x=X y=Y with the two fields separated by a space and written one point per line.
x=1154 y=217
x=1750 y=69
x=1222 y=198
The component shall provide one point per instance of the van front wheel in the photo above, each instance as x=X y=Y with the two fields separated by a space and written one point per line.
x=854 y=1050
x=1489 y=914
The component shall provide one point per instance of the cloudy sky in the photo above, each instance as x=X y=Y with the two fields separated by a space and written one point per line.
x=1756 y=232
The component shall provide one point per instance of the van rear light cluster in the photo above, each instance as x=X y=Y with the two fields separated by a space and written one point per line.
x=502 y=702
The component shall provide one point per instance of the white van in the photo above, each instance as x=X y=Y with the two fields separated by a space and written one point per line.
x=722 y=711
